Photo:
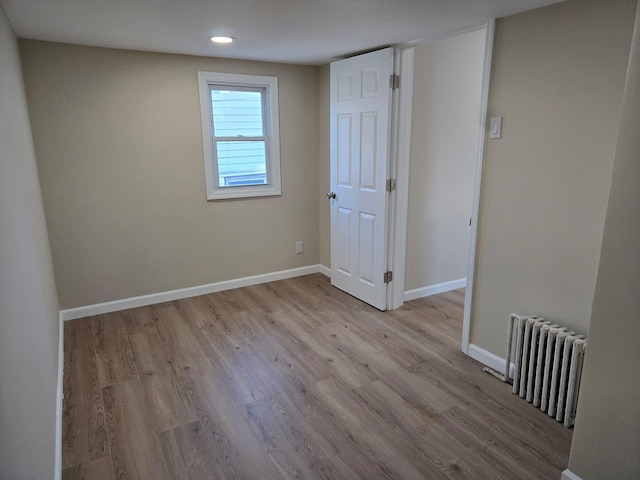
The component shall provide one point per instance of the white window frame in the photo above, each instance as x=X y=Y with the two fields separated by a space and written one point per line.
x=272 y=132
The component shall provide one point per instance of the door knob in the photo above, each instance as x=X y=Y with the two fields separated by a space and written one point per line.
x=331 y=195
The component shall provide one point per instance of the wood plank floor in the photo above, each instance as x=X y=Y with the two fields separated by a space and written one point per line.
x=293 y=380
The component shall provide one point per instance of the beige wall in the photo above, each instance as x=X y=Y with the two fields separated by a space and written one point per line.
x=324 y=82
x=557 y=79
x=28 y=304
x=119 y=146
x=606 y=441
x=447 y=84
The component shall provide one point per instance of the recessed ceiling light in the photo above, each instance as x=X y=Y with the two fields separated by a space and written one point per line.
x=221 y=39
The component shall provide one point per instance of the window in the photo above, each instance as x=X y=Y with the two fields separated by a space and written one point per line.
x=241 y=141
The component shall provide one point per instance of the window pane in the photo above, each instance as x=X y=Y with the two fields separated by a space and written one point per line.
x=241 y=163
x=237 y=113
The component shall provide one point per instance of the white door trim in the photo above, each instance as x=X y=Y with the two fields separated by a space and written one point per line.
x=400 y=170
x=486 y=76
x=441 y=36
x=400 y=204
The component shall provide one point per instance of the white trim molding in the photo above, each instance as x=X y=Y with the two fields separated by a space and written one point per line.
x=59 y=400
x=326 y=271
x=399 y=199
x=435 y=289
x=489 y=359
x=270 y=136
x=153 y=298
x=486 y=358
x=442 y=36
x=486 y=77
x=569 y=475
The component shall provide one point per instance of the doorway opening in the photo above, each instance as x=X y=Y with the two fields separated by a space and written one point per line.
x=436 y=141
x=447 y=104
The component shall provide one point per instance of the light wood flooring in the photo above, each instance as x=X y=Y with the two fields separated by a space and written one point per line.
x=293 y=380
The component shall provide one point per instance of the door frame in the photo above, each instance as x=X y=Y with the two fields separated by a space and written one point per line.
x=400 y=162
x=471 y=271
x=399 y=169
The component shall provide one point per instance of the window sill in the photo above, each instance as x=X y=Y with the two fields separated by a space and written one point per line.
x=243 y=192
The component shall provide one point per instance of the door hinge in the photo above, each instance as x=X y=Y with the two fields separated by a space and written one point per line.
x=388 y=277
x=394 y=81
x=391 y=184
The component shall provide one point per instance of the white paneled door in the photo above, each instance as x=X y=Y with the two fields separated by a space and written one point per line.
x=360 y=114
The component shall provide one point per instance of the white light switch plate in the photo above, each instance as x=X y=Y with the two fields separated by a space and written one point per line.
x=495 y=129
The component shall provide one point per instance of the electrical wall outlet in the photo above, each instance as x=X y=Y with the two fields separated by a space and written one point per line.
x=299 y=247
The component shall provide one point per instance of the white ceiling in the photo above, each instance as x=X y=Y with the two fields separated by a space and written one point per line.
x=293 y=31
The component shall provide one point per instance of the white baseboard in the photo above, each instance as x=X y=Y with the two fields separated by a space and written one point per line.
x=143 y=300
x=326 y=271
x=59 y=398
x=434 y=289
x=489 y=359
x=569 y=475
